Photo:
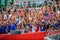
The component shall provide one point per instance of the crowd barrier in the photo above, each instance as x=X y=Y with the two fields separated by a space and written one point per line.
x=50 y=33
x=53 y=35
x=28 y=36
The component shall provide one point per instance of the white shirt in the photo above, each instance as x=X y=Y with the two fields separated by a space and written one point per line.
x=10 y=15
x=58 y=12
x=33 y=29
x=5 y=16
x=30 y=18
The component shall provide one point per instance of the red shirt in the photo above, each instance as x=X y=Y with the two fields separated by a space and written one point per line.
x=37 y=28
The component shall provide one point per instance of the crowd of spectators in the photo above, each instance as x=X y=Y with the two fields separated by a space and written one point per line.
x=46 y=18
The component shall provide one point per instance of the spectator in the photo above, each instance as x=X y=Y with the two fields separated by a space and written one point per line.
x=25 y=20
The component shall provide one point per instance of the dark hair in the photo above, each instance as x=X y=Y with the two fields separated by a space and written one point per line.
x=51 y=26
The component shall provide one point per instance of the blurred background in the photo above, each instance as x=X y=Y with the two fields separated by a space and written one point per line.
x=23 y=3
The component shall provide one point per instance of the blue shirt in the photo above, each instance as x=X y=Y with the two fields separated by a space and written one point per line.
x=3 y=29
x=56 y=26
x=13 y=26
x=9 y=28
x=42 y=28
x=0 y=30
x=28 y=24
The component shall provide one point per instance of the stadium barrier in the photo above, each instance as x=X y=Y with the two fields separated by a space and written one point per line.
x=29 y=36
